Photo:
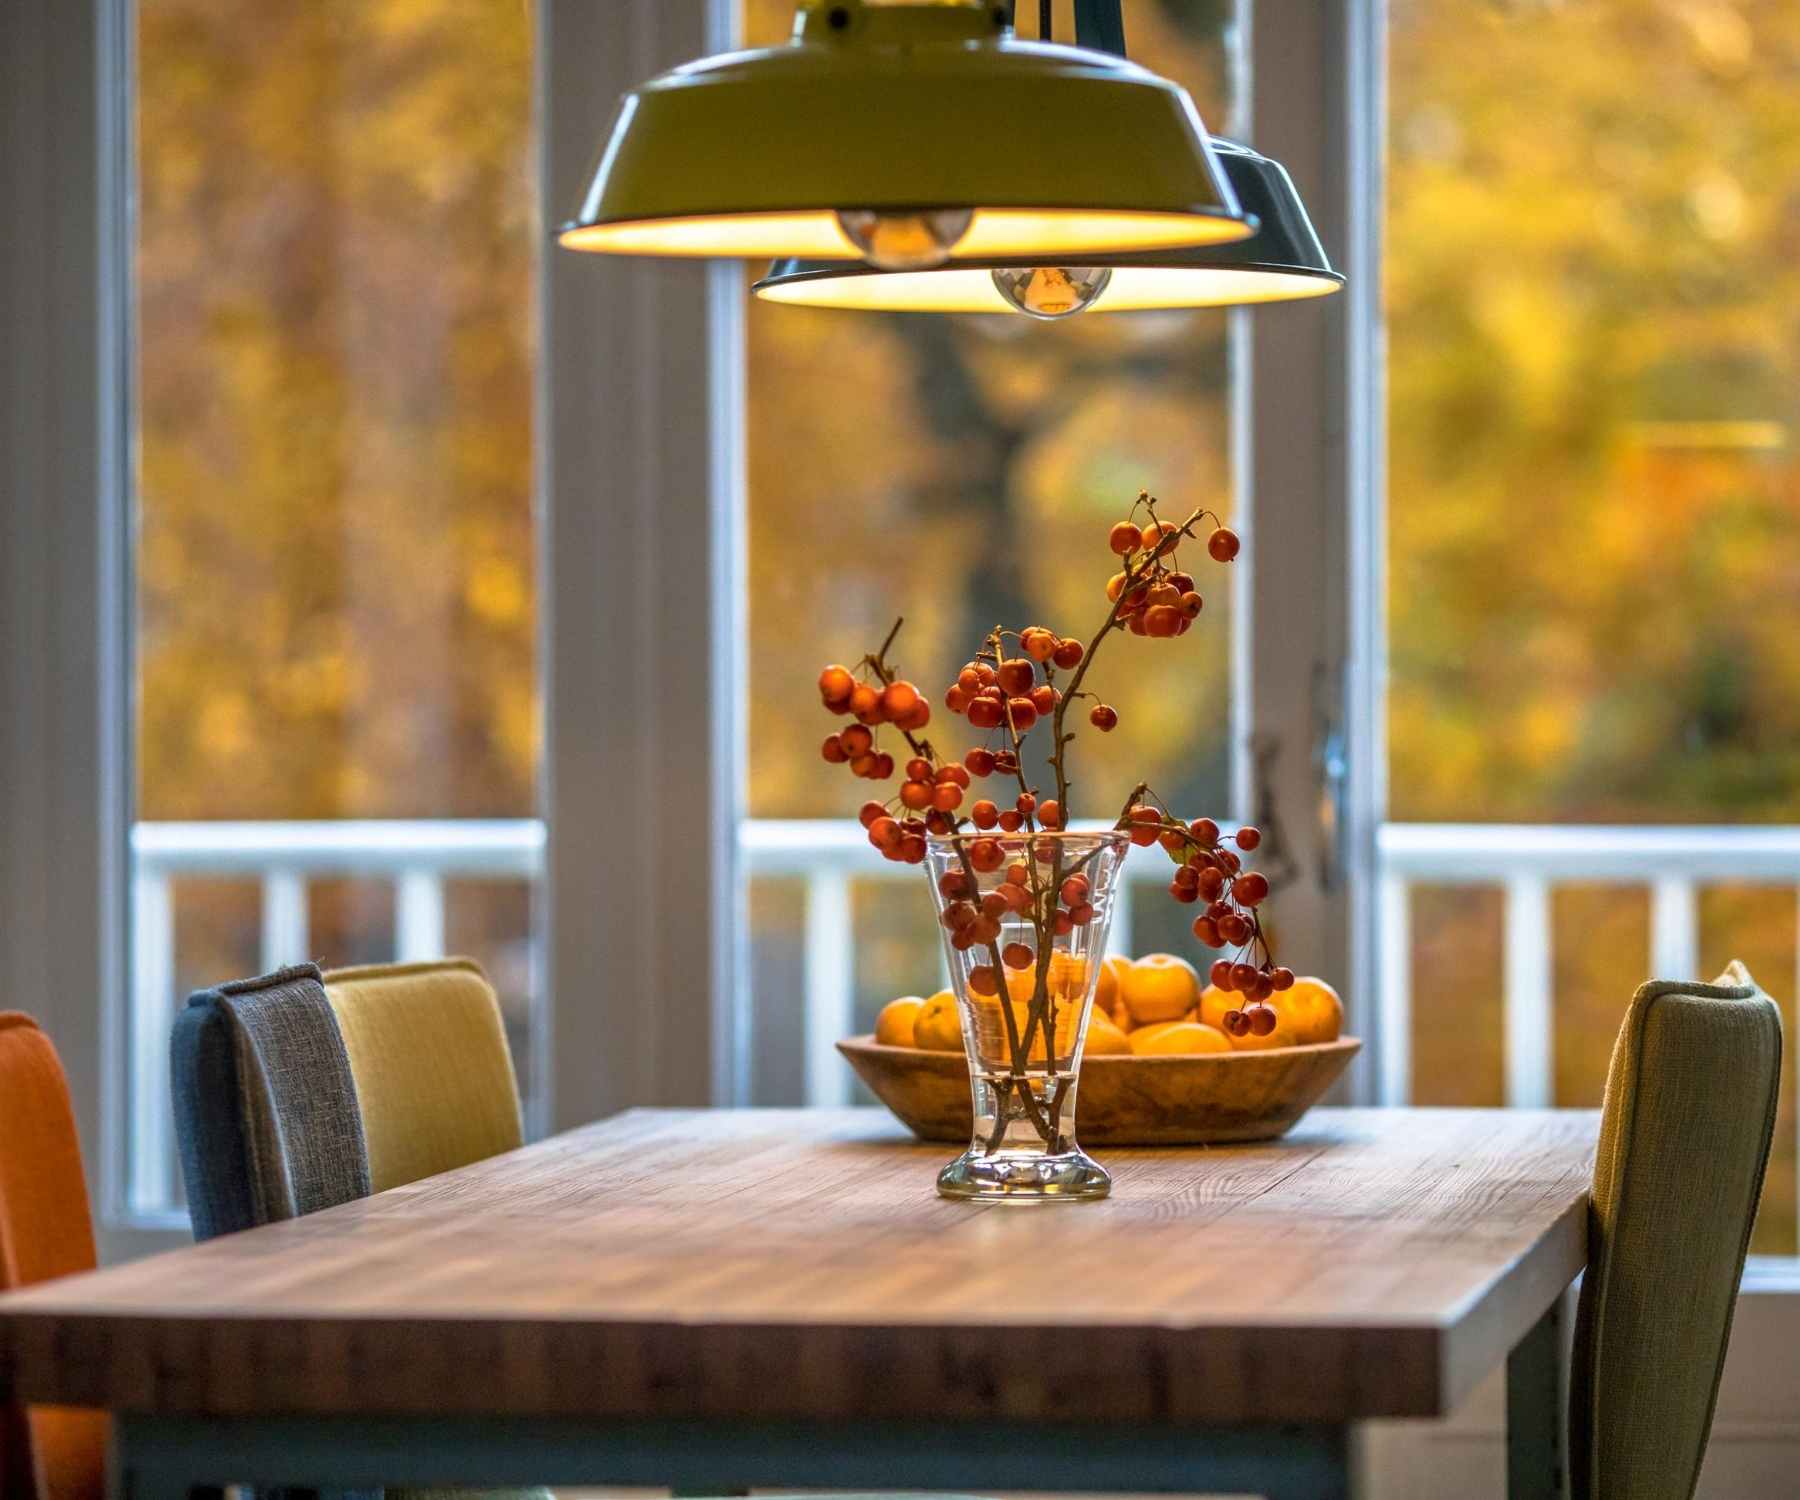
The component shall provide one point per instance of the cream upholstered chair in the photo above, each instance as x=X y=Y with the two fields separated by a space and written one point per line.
x=1684 y=1141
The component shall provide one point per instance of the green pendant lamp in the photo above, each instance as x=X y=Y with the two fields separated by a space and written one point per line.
x=1282 y=261
x=872 y=132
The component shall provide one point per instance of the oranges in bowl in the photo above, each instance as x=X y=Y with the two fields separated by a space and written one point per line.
x=1154 y=1006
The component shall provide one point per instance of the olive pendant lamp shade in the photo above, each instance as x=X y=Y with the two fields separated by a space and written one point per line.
x=881 y=131
x=1283 y=260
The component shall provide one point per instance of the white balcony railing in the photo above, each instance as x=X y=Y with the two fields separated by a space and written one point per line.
x=1672 y=863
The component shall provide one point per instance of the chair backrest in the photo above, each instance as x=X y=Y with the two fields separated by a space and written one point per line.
x=433 y=1073
x=1684 y=1140
x=265 y=1104
x=52 y=1453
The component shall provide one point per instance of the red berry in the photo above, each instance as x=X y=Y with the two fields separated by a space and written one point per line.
x=985 y=814
x=1248 y=838
x=1243 y=978
x=1207 y=931
x=985 y=713
x=918 y=769
x=1125 y=538
x=980 y=762
x=1027 y=804
x=1282 y=979
x=833 y=750
x=955 y=699
x=969 y=680
x=1074 y=890
x=1250 y=889
x=1262 y=1020
x=1067 y=655
x=1038 y=643
x=1162 y=621
x=1016 y=676
x=1205 y=830
x=1190 y=604
x=1017 y=956
x=1183 y=893
x=870 y=812
x=956 y=773
x=1018 y=873
x=883 y=767
x=1265 y=986
x=1065 y=923
x=1043 y=699
x=1220 y=973
x=1222 y=545
x=953 y=884
x=946 y=796
x=835 y=686
x=899 y=699
x=865 y=702
x=1023 y=713
x=986 y=855
x=1050 y=813
x=1236 y=1022
x=982 y=980
x=1104 y=717
x=939 y=822
x=1012 y=821
x=856 y=740
x=1081 y=913
x=1211 y=883
x=1234 y=928
x=884 y=833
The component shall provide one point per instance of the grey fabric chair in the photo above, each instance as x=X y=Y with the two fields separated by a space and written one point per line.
x=1684 y=1142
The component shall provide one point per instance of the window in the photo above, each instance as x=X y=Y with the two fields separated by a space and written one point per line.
x=1592 y=519
x=959 y=471
x=338 y=705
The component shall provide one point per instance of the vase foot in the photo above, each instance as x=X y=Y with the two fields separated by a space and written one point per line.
x=1024 y=1177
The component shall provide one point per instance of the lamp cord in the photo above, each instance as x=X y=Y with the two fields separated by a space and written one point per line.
x=1100 y=24
x=1045 y=21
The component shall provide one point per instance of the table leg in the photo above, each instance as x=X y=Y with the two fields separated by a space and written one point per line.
x=1534 y=1411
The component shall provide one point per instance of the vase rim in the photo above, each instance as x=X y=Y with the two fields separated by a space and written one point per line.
x=1099 y=835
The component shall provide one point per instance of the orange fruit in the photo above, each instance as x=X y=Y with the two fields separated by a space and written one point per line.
x=1112 y=975
x=894 y=1026
x=938 y=1028
x=1182 y=1037
x=1105 y=1039
x=1311 y=1010
x=1160 y=987
x=1214 y=1002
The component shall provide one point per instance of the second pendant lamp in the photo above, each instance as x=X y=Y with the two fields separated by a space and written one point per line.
x=1282 y=261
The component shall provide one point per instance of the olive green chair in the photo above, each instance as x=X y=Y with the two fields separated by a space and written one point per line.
x=1684 y=1140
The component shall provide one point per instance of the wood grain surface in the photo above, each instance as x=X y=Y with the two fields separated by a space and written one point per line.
x=798 y=1264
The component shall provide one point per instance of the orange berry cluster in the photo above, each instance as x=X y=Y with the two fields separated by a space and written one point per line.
x=1206 y=870
x=871 y=705
x=1154 y=597
x=991 y=694
x=973 y=917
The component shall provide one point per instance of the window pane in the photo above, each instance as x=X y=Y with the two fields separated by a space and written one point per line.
x=1593 y=390
x=1593 y=375
x=334 y=571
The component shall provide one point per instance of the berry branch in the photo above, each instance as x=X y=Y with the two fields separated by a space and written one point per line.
x=1152 y=597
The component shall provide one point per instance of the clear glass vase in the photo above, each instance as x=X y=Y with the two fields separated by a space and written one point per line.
x=1024 y=919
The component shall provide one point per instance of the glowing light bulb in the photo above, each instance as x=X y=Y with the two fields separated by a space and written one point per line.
x=1051 y=292
x=911 y=241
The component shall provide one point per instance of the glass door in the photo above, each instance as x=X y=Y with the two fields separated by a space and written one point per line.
x=337 y=706
x=1593 y=511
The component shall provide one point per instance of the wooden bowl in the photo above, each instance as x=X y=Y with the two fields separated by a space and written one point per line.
x=1123 y=1101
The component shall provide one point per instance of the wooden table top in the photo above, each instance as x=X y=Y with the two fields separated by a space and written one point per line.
x=798 y=1264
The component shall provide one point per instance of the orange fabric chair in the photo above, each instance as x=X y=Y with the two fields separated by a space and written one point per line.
x=46 y=1453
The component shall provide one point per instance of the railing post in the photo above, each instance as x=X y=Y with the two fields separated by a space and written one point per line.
x=1394 y=1022
x=1674 y=929
x=418 y=916
x=150 y=1165
x=284 y=936
x=1529 y=992
x=830 y=983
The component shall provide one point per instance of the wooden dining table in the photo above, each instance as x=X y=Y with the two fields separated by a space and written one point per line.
x=717 y=1299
